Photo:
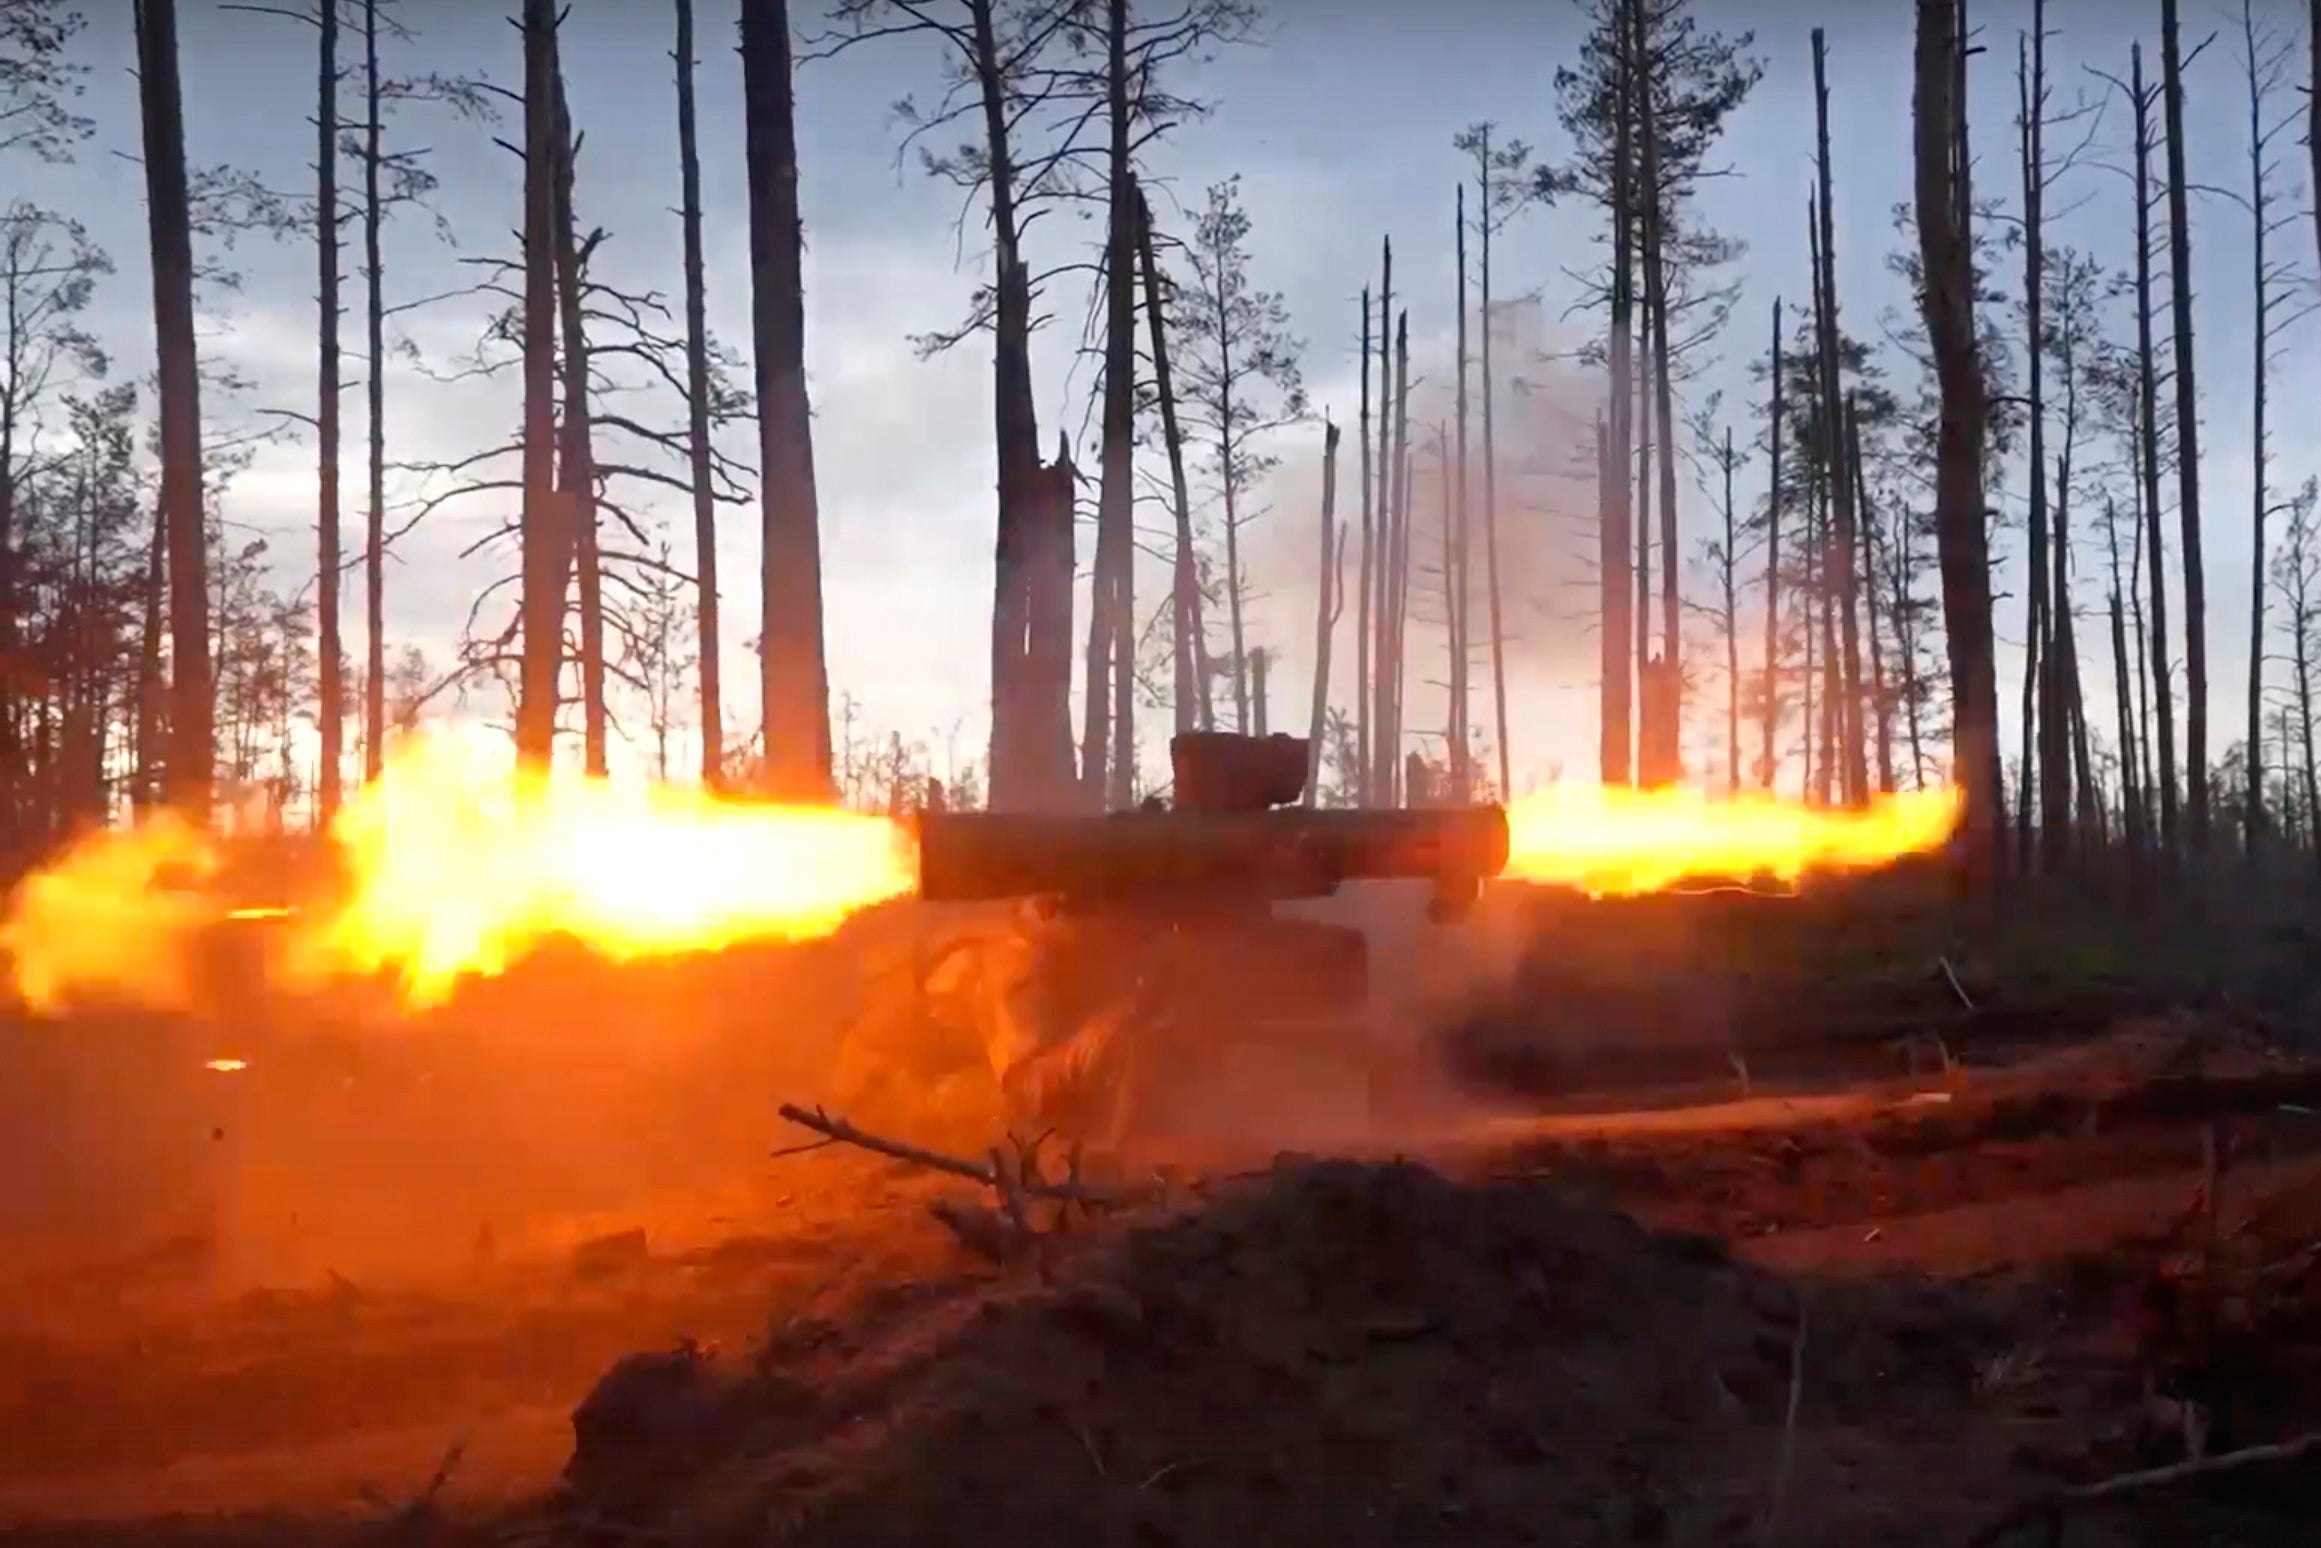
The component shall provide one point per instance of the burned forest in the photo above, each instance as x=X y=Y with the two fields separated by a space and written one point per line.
x=828 y=772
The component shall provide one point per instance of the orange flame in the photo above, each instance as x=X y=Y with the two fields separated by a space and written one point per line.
x=106 y=919
x=1616 y=842
x=458 y=867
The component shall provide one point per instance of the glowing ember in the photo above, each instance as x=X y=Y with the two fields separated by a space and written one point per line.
x=225 y=1066
x=455 y=866
x=1613 y=842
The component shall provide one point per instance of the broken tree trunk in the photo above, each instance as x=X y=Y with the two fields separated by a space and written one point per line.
x=1330 y=594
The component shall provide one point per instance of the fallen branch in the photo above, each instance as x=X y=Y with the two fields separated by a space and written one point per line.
x=999 y=1176
x=2048 y=1506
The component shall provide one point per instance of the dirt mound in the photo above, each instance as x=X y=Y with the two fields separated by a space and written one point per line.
x=1324 y=1353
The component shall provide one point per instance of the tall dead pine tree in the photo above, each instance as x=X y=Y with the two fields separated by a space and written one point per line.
x=2187 y=432
x=329 y=654
x=375 y=426
x=1840 y=554
x=1944 y=214
x=546 y=548
x=2148 y=451
x=794 y=679
x=169 y=218
x=576 y=453
x=1664 y=698
x=1456 y=589
x=1769 y=761
x=1107 y=750
x=1329 y=606
x=2273 y=285
x=1189 y=639
x=1615 y=551
x=1370 y=544
x=697 y=412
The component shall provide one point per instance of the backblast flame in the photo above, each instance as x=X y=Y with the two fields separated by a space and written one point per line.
x=109 y=916
x=1617 y=842
x=460 y=866
x=454 y=865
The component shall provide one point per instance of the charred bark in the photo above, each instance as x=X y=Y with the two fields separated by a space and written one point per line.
x=1947 y=300
x=576 y=460
x=1329 y=606
x=1107 y=751
x=1771 y=756
x=375 y=383
x=794 y=677
x=546 y=544
x=2148 y=456
x=1190 y=645
x=169 y=217
x=2187 y=432
x=329 y=654
x=697 y=445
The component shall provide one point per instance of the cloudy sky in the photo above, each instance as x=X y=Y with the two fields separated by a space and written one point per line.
x=1339 y=124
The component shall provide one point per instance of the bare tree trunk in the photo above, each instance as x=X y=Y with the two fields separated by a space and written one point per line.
x=1382 y=755
x=1191 y=646
x=1732 y=603
x=2040 y=740
x=191 y=743
x=1881 y=705
x=1616 y=729
x=1491 y=493
x=1108 y=763
x=152 y=712
x=1455 y=584
x=697 y=415
x=1398 y=621
x=1446 y=510
x=1640 y=416
x=2148 y=452
x=2083 y=807
x=1946 y=254
x=375 y=386
x=2313 y=148
x=1834 y=719
x=1024 y=769
x=1772 y=752
x=795 y=680
x=2123 y=702
x=2187 y=432
x=1855 y=769
x=1229 y=488
x=1370 y=541
x=1330 y=595
x=577 y=461
x=2260 y=213
x=1666 y=704
x=2302 y=646
x=546 y=542
x=329 y=653
x=2147 y=777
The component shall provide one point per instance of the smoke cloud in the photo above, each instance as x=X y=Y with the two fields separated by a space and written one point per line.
x=1544 y=418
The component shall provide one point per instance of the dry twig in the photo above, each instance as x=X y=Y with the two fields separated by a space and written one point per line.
x=839 y=1131
x=2047 y=1507
x=1788 y=1462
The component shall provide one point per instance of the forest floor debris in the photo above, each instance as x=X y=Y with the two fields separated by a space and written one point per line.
x=1494 y=1350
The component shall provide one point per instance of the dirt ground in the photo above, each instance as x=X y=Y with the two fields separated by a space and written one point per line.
x=1800 y=1297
